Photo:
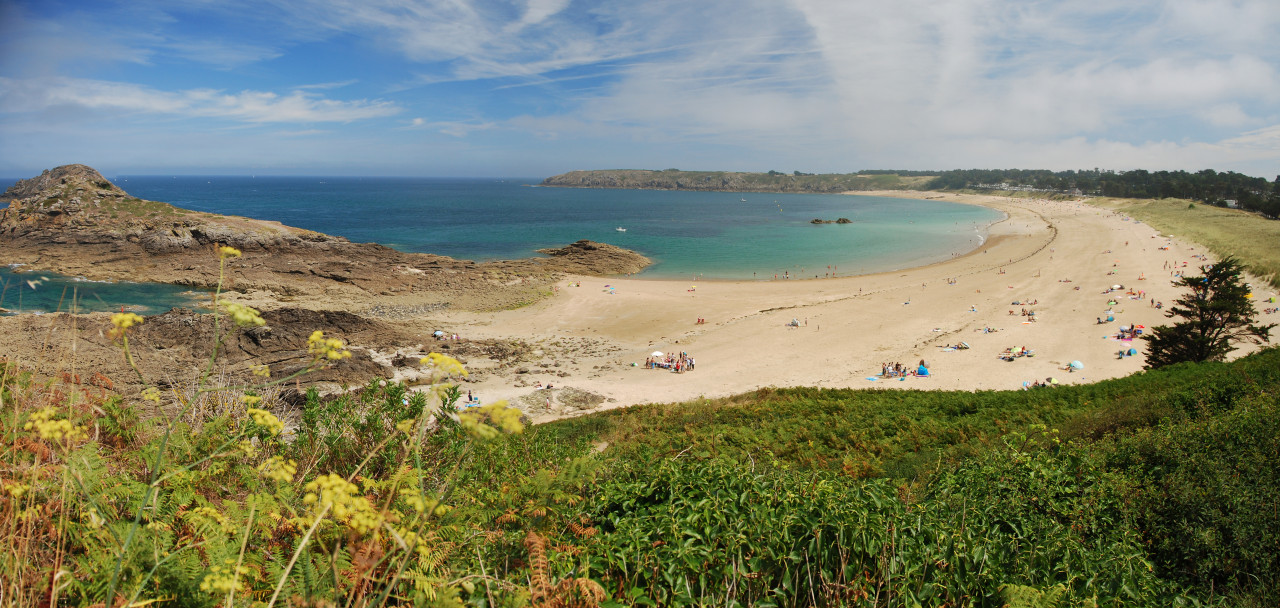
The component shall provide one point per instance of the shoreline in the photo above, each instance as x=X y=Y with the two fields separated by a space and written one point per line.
x=588 y=336
x=849 y=325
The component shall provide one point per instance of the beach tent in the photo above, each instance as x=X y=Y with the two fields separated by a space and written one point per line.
x=438 y=333
x=1117 y=286
x=922 y=371
x=1133 y=351
x=1077 y=365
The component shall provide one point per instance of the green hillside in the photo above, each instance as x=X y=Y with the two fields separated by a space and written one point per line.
x=1153 y=490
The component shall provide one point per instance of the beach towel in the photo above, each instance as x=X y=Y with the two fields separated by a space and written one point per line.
x=872 y=378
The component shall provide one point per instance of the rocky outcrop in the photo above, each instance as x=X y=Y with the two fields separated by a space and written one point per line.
x=75 y=204
x=586 y=254
x=843 y=220
x=72 y=220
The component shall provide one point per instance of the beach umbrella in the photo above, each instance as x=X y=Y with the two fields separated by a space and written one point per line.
x=656 y=353
x=1077 y=365
x=1116 y=286
x=438 y=333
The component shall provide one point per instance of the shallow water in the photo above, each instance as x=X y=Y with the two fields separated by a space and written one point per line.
x=40 y=291
x=688 y=234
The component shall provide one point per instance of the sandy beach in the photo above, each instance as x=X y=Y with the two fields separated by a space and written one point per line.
x=595 y=333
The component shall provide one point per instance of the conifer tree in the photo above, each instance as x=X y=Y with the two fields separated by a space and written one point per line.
x=1216 y=314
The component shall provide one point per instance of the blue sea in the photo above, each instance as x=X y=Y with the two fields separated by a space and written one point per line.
x=715 y=235
x=703 y=235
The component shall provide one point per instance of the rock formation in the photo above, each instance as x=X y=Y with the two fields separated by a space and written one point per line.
x=73 y=220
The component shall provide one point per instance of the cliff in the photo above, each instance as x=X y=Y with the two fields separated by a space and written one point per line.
x=724 y=181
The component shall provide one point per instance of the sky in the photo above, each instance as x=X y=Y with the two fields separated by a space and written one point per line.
x=533 y=88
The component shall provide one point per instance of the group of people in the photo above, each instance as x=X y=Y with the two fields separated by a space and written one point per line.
x=898 y=370
x=1038 y=384
x=1016 y=352
x=679 y=364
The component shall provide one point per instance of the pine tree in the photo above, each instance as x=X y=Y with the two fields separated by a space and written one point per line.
x=1216 y=314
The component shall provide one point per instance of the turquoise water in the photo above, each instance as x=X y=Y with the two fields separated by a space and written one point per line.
x=39 y=291
x=715 y=235
x=704 y=235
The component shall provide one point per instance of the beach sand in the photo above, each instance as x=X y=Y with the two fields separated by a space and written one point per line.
x=849 y=326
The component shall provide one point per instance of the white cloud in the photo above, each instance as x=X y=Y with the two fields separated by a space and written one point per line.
x=1227 y=115
x=35 y=95
x=220 y=54
x=537 y=11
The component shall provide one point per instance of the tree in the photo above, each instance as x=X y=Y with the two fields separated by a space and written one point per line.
x=1216 y=314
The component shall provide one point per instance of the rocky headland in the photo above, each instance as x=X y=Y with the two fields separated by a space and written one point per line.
x=379 y=300
x=729 y=181
x=72 y=220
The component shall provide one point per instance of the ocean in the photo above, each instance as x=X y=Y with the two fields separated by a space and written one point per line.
x=712 y=235
x=689 y=235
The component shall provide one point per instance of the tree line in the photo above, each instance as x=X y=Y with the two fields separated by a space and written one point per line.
x=1222 y=189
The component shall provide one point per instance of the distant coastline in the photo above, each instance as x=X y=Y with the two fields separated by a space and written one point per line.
x=731 y=181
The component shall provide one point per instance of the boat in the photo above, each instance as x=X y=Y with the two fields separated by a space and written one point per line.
x=743 y=200
x=620 y=229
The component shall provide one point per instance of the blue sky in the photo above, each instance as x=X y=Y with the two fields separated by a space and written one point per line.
x=538 y=87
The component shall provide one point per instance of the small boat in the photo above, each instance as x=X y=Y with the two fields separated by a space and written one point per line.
x=620 y=229
x=743 y=200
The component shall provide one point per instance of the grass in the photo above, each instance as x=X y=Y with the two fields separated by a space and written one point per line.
x=1248 y=236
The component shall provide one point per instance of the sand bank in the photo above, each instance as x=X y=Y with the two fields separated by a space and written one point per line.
x=1060 y=254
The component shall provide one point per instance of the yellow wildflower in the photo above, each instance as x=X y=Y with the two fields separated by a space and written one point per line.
x=228 y=252
x=262 y=370
x=265 y=419
x=246 y=446
x=251 y=399
x=56 y=430
x=244 y=316
x=210 y=515
x=279 y=469
x=406 y=426
x=444 y=364
x=343 y=498
x=223 y=578
x=323 y=348
x=16 y=490
x=413 y=497
x=121 y=322
x=498 y=414
x=151 y=393
x=125 y=320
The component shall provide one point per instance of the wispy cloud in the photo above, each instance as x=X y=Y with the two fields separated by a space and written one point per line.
x=36 y=95
x=816 y=84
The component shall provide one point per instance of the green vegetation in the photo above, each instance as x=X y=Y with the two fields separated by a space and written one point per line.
x=1154 y=490
x=1247 y=236
x=1219 y=189
x=772 y=181
x=1215 y=314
